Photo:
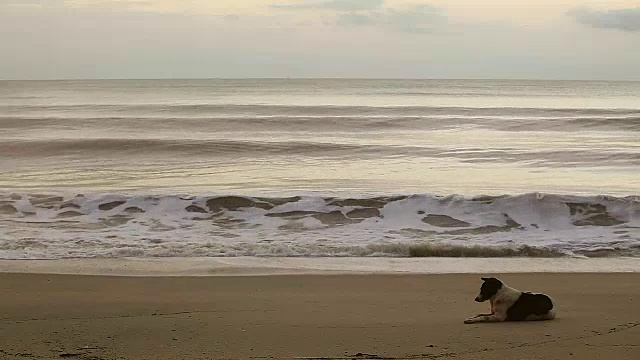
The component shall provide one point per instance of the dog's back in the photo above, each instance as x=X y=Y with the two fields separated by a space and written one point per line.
x=531 y=307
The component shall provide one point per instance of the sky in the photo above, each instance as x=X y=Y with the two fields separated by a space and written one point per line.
x=468 y=39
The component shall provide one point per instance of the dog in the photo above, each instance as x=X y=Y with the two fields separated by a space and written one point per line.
x=509 y=304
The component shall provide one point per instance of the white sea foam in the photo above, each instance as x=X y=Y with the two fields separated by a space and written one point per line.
x=119 y=225
x=239 y=266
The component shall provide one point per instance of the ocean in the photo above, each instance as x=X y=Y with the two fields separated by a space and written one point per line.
x=319 y=168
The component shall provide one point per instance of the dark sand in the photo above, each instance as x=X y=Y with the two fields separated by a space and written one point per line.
x=309 y=316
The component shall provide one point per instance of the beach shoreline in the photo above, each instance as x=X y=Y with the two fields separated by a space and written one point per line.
x=255 y=266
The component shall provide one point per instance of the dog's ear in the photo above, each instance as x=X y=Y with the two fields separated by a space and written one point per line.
x=484 y=278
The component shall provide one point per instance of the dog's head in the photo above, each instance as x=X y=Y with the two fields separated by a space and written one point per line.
x=489 y=289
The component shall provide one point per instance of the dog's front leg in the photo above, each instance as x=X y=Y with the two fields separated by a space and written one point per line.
x=479 y=315
x=483 y=315
x=486 y=318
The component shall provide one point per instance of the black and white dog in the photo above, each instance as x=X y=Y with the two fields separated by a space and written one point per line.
x=509 y=304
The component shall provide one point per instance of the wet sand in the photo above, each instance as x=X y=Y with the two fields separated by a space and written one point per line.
x=310 y=316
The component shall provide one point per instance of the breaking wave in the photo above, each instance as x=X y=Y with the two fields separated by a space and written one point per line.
x=116 y=225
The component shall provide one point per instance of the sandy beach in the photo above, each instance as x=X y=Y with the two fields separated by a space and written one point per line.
x=310 y=316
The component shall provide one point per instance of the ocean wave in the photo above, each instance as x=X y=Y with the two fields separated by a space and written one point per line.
x=175 y=148
x=234 y=118
x=292 y=110
x=602 y=210
x=114 y=225
x=324 y=123
x=112 y=146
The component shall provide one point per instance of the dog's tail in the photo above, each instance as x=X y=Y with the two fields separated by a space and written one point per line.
x=551 y=314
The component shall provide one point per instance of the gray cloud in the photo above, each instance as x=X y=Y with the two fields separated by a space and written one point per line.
x=114 y=4
x=420 y=18
x=94 y=5
x=620 y=19
x=341 y=5
x=41 y=3
x=356 y=19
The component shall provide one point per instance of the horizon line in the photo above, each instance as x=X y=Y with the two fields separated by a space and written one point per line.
x=321 y=78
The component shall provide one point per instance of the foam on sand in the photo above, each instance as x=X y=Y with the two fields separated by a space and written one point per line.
x=283 y=266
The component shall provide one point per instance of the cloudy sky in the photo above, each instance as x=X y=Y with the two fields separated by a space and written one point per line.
x=545 y=39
